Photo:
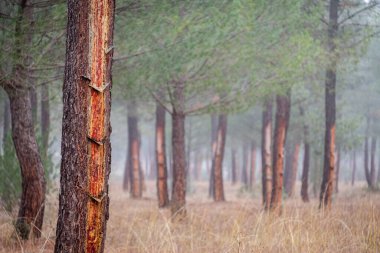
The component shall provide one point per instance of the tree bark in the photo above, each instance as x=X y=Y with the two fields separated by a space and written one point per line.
x=281 y=124
x=178 y=202
x=244 y=171
x=266 y=153
x=233 y=166
x=33 y=101
x=86 y=147
x=293 y=176
x=217 y=164
x=252 y=176
x=330 y=110
x=162 y=173
x=214 y=136
x=289 y=150
x=306 y=161
x=45 y=119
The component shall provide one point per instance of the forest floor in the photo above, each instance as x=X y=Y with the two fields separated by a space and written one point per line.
x=237 y=225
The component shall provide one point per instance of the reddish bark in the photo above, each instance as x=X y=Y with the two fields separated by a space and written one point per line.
x=86 y=148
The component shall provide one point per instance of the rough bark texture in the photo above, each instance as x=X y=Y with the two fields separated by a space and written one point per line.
x=133 y=163
x=30 y=215
x=45 y=118
x=330 y=109
x=266 y=152
x=86 y=148
x=252 y=176
x=214 y=136
x=178 y=202
x=306 y=162
x=162 y=173
x=233 y=166
x=282 y=112
x=217 y=163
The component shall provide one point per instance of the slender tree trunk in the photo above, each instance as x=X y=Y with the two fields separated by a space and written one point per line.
x=127 y=170
x=233 y=166
x=244 y=171
x=217 y=163
x=162 y=173
x=214 y=136
x=45 y=118
x=134 y=144
x=266 y=153
x=366 y=163
x=7 y=120
x=373 y=167
x=86 y=147
x=306 y=161
x=293 y=176
x=282 y=114
x=354 y=168
x=289 y=150
x=252 y=177
x=178 y=202
x=337 y=170
x=330 y=109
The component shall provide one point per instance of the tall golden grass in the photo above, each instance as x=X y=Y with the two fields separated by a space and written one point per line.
x=238 y=225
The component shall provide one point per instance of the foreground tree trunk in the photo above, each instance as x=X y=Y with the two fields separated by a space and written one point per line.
x=86 y=148
x=266 y=153
x=217 y=163
x=31 y=212
x=162 y=173
x=282 y=119
x=134 y=167
x=45 y=119
x=178 y=202
x=214 y=136
x=330 y=108
x=306 y=162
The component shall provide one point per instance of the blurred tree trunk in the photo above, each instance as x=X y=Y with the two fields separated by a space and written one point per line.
x=306 y=161
x=162 y=173
x=244 y=171
x=294 y=170
x=373 y=166
x=330 y=109
x=252 y=177
x=86 y=147
x=353 y=168
x=366 y=163
x=217 y=164
x=281 y=124
x=214 y=136
x=7 y=120
x=127 y=170
x=266 y=153
x=338 y=154
x=32 y=204
x=134 y=151
x=289 y=150
x=178 y=202
x=233 y=166
x=45 y=119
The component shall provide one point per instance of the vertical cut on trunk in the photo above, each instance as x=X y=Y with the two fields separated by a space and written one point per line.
x=86 y=148
x=266 y=153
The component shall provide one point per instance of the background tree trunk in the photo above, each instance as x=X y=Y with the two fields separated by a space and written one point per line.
x=45 y=119
x=214 y=136
x=366 y=163
x=289 y=150
x=217 y=163
x=330 y=108
x=338 y=153
x=252 y=177
x=7 y=120
x=244 y=171
x=282 y=114
x=293 y=176
x=266 y=153
x=233 y=166
x=373 y=167
x=353 y=168
x=86 y=148
x=162 y=173
x=306 y=161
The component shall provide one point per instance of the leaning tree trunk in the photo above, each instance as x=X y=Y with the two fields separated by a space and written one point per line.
x=86 y=147
x=252 y=177
x=282 y=113
x=214 y=136
x=266 y=152
x=31 y=212
x=45 y=119
x=217 y=163
x=306 y=161
x=178 y=202
x=373 y=167
x=330 y=109
x=162 y=173
x=233 y=166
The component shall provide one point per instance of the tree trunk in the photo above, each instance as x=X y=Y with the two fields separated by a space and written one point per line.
x=293 y=176
x=33 y=101
x=127 y=170
x=178 y=202
x=266 y=153
x=373 y=167
x=282 y=113
x=214 y=136
x=252 y=177
x=330 y=109
x=217 y=164
x=134 y=151
x=306 y=161
x=7 y=120
x=289 y=150
x=86 y=147
x=45 y=119
x=337 y=170
x=233 y=166
x=244 y=171
x=354 y=168
x=162 y=173
x=366 y=162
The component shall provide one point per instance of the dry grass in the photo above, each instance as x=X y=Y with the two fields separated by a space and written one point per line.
x=238 y=225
